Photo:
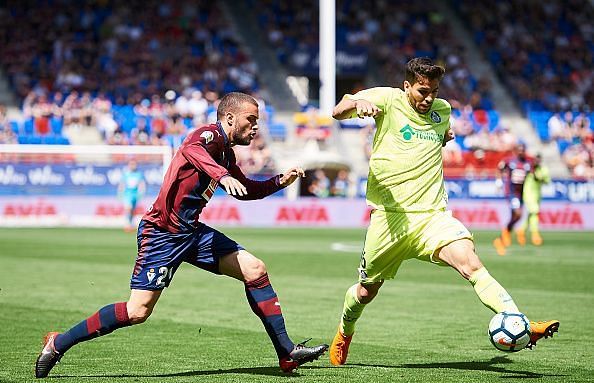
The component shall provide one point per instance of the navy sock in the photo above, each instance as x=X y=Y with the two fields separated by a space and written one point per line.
x=103 y=322
x=264 y=304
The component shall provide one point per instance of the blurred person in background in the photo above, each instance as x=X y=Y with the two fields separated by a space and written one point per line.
x=131 y=190
x=341 y=184
x=532 y=197
x=515 y=169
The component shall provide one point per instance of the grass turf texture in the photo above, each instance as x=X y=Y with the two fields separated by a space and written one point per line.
x=427 y=325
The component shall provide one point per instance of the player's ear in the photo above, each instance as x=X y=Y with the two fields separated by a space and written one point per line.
x=407 y=86
x=229 y=118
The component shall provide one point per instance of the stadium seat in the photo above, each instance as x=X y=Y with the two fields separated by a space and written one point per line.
x=277 y=131
x=15 y=126
x=57 y=124
x=28 y=126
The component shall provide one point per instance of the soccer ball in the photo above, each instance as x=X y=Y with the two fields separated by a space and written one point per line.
x=509 y=332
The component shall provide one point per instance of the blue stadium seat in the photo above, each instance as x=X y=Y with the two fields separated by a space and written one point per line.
x=15 y=126
x=34 y=140
x=28 y=126
x=57 y=124
x=49 y=140
x=61 y=140
x=277 y=131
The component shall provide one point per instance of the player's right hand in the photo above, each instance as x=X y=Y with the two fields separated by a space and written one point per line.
x=366 y=109
x=232 y=186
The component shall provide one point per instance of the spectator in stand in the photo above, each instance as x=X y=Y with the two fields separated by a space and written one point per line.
x=42 y=112
x=503 y=140
x=140 y=136
x=480 y=140
x=320 y=184
x=118 y=138
x=541 y=50
x=557 y=126
x=114 y=47
x=102 y=117
x=312 y=126
x=579 y=158
x=461 y=119
x=197 y=107
x=341 y=184
x=7 y=136
x=581 y=127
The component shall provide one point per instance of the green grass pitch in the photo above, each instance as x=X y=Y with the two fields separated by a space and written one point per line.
x=425 y=326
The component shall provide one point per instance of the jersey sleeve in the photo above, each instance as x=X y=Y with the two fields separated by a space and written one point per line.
x=198 y=156
x=380 y=96
x=255 y=189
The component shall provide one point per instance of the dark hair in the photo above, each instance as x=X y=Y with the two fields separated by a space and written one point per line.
x=231 y=102
x=420 y=67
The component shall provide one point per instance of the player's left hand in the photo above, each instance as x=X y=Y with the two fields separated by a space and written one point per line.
x=291 y=175
x=449 y=136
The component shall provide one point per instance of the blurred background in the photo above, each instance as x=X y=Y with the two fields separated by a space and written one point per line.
x=87 y=86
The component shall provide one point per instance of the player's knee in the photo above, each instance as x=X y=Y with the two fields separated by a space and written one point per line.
x=254 y=270
x=367 y=292
x=139 y=313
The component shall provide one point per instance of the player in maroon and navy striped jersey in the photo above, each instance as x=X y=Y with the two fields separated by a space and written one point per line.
x=517 y=169
x=171 y=233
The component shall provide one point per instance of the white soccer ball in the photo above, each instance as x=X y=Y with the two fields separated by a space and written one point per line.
x=509 y=332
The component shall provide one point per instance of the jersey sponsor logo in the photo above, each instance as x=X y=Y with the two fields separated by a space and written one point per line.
x=208 y=136
x=435 y=117
x=408 y=132
x=210 y=189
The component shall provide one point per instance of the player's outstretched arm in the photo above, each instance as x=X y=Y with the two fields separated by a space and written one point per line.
x=291 y=175
x=233 y=187
x=345 y=108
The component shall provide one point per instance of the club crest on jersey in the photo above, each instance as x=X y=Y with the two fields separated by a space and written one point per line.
x=150 y=275
x=435 y=117
x=208 y=136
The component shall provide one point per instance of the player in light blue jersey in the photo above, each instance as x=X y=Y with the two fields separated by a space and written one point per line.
x=131 y=189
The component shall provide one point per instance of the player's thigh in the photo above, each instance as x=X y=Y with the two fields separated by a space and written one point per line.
x=437 y=230
x=159 y=255
x=242 y=265
x=386 y=247
x=211 y=249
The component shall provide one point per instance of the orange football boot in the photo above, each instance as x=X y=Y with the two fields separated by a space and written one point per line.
x=536 y=238
x=499 y=246
x=521 y=237
x=506 y=237
x=542 y=329
x=340 y=348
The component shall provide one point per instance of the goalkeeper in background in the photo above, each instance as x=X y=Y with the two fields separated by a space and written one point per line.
x=131 y=190
x=406 y=192
x=532 y=196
